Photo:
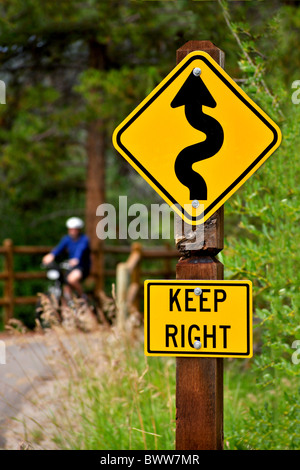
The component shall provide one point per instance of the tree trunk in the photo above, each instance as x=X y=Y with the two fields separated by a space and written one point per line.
x=95 y=181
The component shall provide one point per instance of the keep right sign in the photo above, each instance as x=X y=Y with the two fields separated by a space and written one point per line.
x=198 y=318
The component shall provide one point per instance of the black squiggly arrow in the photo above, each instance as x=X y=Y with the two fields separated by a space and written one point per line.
x=193 y=95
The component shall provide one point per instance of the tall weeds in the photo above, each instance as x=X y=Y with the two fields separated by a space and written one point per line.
x=262 y=244
x=103 y=394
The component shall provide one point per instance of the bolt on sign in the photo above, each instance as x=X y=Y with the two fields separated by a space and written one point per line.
x=197 y=137
x=198 y=318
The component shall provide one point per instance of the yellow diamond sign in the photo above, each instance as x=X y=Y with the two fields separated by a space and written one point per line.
x=197 y=138
x=198 y=318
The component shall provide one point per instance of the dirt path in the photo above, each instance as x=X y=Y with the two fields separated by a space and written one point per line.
x=29 y=382
x=25 y=369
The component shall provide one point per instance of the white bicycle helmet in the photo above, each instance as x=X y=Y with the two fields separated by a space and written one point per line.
x=74 y=222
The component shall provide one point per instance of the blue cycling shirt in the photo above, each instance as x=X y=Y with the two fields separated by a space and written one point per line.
x=79 y=248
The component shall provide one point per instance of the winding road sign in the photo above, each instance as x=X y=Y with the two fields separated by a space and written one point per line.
x=197 y=137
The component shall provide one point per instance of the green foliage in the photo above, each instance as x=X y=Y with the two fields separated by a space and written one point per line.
x=264 y=249
x=129 y=405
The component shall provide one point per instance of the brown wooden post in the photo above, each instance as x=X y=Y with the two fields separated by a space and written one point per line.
x=9 y=281
x=136 y=273
x=95 y=177
x=199 y=381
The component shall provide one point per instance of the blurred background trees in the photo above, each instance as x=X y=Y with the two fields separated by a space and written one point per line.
x=74 y=70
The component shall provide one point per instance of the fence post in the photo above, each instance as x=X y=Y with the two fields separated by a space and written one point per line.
x=122 y=285
x=127 y=284
x=136 y=273
x=9 y=281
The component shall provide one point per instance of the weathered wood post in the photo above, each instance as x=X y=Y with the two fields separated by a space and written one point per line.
x=199 y=381
x=136 y=274
x=122 y=286
x=127 y=284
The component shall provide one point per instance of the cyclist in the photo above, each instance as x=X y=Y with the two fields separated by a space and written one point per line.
x=76 y=245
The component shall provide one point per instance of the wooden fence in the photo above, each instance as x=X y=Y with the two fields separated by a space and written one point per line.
x=129 y=274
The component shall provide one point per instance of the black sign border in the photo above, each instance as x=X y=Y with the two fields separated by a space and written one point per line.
x=153 y=98
x=198 y=353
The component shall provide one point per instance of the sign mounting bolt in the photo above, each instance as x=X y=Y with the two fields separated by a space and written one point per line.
x=197 y=71
x=197 y=291
x=197 y=344
x=195 y=204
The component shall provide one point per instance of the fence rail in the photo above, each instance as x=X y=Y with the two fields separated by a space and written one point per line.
x=128 y=275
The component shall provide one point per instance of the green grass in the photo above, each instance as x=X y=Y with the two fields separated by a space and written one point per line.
x=107 y=395
x=130 y=405
x=257 y=420
x=127 y=405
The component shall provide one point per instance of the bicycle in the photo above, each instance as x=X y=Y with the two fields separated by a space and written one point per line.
x=55 y=307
